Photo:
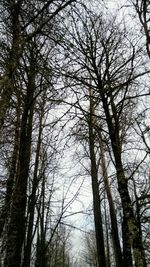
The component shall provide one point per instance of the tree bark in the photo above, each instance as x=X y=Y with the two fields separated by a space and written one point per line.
x=32 y=203
x=11 y=179
x=131 y=235
x=113 y=217
x=96 y=197
x=17 y=224
x=8 y=79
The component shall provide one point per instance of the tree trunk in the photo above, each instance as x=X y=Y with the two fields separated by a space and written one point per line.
x=16 y=231
x=11 y=179
x=41 y=259
x=96 y=197
x=131 y=235
x=107 y=238
x=8 y=81
x=32 y=202
x=113 y=217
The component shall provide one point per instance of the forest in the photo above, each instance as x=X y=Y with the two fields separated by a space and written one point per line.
x=74 y=133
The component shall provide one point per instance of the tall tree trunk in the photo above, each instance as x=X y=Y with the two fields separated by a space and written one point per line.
x=138 y=215
x=32 y=203
x=16 y=231
x=41 y=259
x=11 y=179
x=131 y=235
x=107 y=238
x=113 y=217
x=96 y=197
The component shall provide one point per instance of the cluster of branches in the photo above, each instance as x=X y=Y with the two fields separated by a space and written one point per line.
x=30 y=212
x=60 y=60
x=109 y=80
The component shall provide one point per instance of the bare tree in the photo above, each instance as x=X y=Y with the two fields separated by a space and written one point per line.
x=89 y=253
x=21 y=20
x=100 y=54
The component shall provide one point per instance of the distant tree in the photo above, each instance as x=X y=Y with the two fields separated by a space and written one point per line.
x=89 y=253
